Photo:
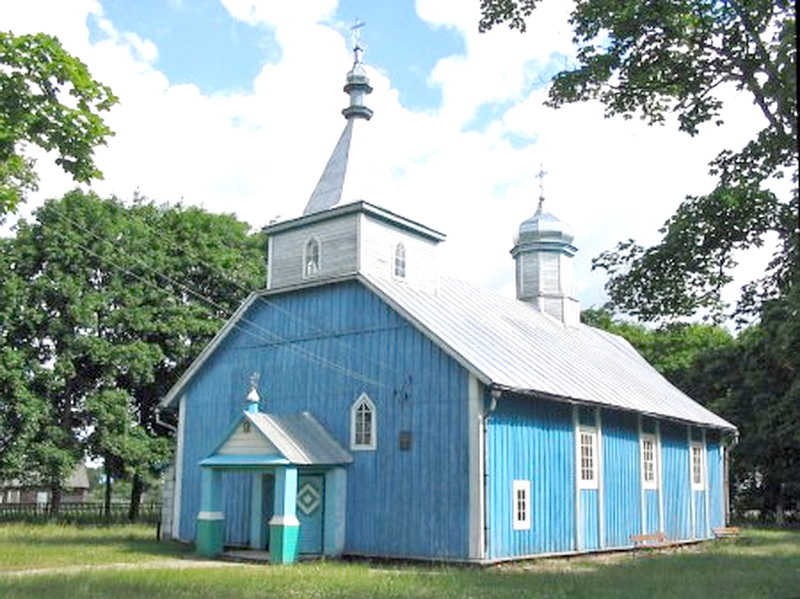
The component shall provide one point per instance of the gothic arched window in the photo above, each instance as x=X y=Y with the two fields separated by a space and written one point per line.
x=311 y=256
x=363 y=423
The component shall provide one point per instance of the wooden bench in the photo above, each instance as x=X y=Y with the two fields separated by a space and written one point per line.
x=726 y=532
x=653 y=539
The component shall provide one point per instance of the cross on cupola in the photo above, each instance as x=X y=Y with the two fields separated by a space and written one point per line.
x=541 y=175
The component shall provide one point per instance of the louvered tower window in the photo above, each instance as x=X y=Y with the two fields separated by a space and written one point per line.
x=400 y=260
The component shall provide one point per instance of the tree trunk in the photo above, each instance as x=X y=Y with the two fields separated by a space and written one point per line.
x=108 y=489
x=136 y=497
x=55 y=498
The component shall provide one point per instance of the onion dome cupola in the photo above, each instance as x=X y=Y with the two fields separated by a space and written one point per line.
x=357 y=87
x=544 y=253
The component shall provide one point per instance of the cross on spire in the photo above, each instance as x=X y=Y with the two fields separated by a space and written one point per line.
x=355 y=36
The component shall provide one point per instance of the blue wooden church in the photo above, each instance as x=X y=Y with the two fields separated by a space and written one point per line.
x=363 y=403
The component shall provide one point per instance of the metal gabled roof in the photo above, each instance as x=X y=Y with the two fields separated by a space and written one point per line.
x=300 y=438
x=509 y=344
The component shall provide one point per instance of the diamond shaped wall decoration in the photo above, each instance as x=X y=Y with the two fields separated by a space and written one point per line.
x=308 y=499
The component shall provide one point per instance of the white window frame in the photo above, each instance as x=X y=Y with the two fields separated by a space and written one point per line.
x=592 y=433
x=400 y=261
x=357 y=444
x=521 y=504
x=310 y=266
x=697 y=462
x=653 y=461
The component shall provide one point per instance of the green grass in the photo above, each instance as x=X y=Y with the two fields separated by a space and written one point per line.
x=36 y=546
x=763 y=564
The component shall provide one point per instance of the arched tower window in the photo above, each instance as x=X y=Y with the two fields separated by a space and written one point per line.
x=362 y=424
x=400 y=260
x=311 y=256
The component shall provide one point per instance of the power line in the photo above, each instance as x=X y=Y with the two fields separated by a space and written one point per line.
x=255 y=329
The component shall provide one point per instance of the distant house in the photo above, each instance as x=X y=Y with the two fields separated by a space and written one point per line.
x=398 y=412
x=75 y=489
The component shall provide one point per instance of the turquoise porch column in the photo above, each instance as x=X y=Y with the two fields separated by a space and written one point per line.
x=284 y=527
x=210 y=520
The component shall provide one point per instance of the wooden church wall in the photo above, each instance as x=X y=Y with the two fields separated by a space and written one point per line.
x=319 y=349
x=534 y=440
x=621 y=478
x=531 y=440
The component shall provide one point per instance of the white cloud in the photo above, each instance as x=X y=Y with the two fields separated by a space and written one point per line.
x=259 y=154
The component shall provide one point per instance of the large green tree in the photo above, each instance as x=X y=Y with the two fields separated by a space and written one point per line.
x=665 y=58
x=49 y=99
x=105 y=304
x=751 y=379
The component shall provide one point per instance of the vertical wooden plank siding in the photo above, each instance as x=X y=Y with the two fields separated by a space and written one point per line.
x=716 y=485
x=677 y=487
x=236 y=505
x=651 y=511
x=621 y=478
x=318 y=350
x=700 y=523
x=589 y=519
x=531 y=440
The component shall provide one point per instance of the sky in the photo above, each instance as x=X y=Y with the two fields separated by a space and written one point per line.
x=235 y=105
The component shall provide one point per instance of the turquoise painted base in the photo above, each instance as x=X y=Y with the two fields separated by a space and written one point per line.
x=210 y=536
x=283 y=543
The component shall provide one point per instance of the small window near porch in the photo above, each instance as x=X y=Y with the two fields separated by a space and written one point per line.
x=362 y=424
x=521 y=496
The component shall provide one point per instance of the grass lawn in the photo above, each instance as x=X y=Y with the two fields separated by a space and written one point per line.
x=762 y=564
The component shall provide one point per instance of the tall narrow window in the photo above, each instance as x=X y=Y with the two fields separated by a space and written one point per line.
x=362 y=424
x=698 y=474
x=311 y=257
x=649 y=465
x=521 y=492
x=400 y=260
x=587 y=468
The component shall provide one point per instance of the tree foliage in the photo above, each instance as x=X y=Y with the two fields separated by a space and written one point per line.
x=665 y=58
x=105 y=305
x=49 y=99
x=751 y=380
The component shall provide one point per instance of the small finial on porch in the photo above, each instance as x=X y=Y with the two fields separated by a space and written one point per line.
x=253 y=398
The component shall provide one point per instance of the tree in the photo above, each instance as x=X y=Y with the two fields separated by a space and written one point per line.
x=661 y=58
x=107 y=305
x=751 y=380
x=49 y=99
x=676 y=350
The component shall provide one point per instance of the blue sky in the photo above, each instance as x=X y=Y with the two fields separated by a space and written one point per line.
x=235 y=105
